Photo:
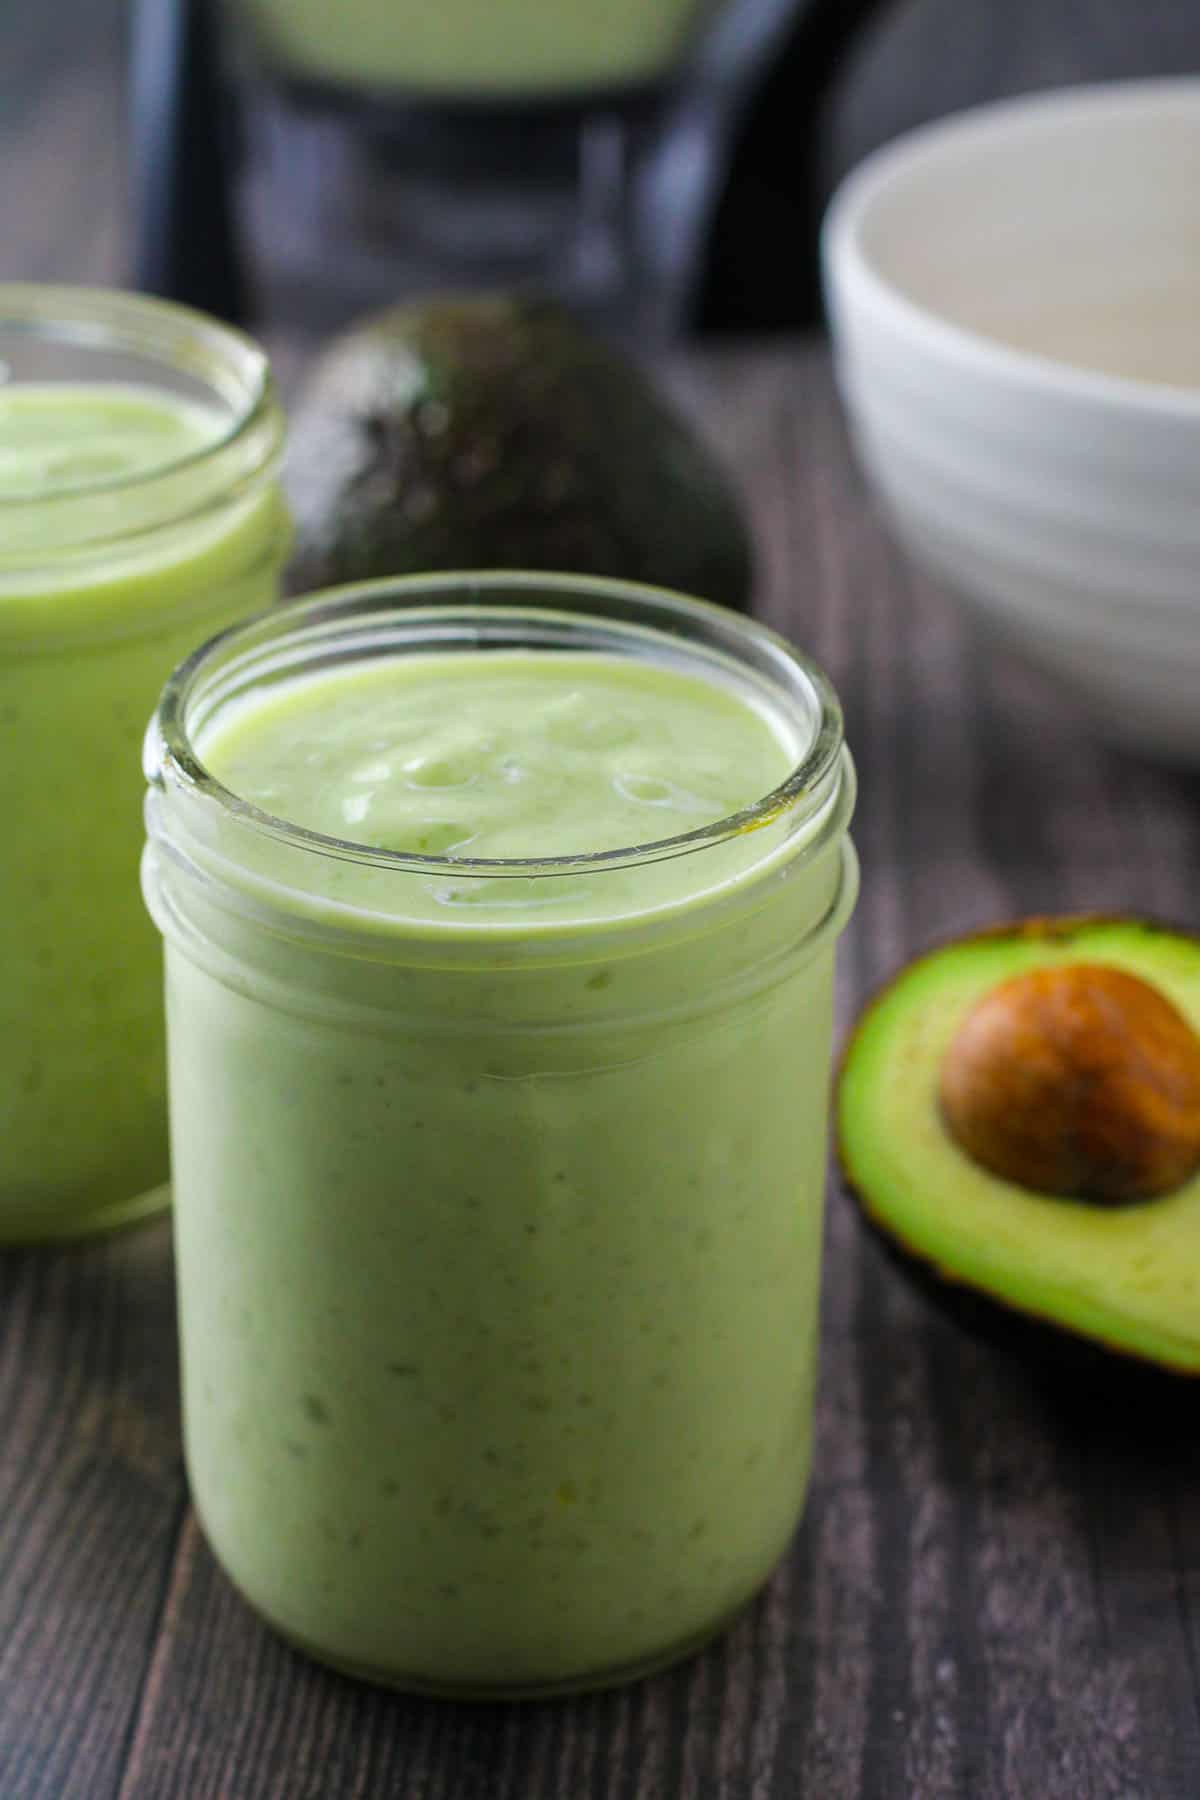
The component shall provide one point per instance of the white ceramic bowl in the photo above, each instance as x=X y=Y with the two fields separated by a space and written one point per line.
x=1015 y=301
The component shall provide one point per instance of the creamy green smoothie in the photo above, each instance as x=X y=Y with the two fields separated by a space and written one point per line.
x=105 y=582
x=498 y=1194
x=502 y=755
x=72 y=435
x=484 y=47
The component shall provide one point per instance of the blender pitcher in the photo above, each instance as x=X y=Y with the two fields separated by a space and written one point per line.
x=377 y=149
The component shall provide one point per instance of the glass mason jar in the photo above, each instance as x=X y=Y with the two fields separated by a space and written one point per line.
x=498 y=1184
x=139 y=512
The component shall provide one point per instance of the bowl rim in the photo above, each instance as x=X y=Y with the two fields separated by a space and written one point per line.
x=846 y=264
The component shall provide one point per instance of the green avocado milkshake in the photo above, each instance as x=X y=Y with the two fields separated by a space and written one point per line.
x=500 y=915
x=477 y=47
x=138 y=513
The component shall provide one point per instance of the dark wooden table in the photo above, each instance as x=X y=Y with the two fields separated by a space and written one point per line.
x=996 y=1591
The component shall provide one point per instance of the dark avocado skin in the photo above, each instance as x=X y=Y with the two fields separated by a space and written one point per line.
x=469 y=433
x=1053 y=1349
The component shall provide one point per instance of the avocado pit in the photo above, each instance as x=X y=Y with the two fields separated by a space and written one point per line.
x=1076 y=1079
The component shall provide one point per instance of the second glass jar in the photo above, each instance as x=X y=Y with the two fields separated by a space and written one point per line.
x=139 y=512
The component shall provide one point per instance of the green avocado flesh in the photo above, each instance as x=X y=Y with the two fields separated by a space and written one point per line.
x=1128 y=1277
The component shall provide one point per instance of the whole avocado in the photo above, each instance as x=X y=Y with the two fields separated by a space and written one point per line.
x=497 y=432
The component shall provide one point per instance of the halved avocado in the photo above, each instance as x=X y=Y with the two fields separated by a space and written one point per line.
x=1126 y=1276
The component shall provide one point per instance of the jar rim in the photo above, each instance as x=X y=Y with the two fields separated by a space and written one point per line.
x=483 y=603
x=210 y=352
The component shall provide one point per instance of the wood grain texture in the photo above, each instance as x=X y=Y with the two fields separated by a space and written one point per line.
x=996 y=1591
